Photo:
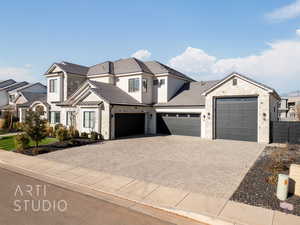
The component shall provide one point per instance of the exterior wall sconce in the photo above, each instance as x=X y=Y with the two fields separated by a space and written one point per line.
x=264 y=116
x=208 y=116
x=112 y=115
x=151 y=115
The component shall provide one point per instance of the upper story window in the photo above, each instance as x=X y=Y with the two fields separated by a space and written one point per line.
x=53 y=85
x=145 y=85
x=133 y=84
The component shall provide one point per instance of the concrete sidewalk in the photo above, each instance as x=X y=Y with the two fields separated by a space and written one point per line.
x=147 y=196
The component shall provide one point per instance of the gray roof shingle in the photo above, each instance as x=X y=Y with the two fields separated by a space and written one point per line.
x=113 y=94
x=122 y=66
x=190 y=94
x=73 y=68
x=159 y=68
x=129 y=65
x=101 y=68
x=32 y=97
x=14 y=86
x=6 y=83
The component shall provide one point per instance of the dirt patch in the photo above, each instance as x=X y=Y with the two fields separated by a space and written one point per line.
x=258 y=188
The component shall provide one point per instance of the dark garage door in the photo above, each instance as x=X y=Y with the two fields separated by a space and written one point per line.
x=236 y=118
x=179 y=124
x=127 y=124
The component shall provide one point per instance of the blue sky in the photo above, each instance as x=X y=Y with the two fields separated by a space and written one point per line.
x=205 y=39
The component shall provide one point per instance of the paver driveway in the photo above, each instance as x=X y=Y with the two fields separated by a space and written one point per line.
x=189 y=163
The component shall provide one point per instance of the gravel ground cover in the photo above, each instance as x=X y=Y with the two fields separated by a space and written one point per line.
x=256 y=188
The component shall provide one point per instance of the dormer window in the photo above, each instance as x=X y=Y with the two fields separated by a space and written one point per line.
x=234 y=82
x=11 y=98
x=53 y=86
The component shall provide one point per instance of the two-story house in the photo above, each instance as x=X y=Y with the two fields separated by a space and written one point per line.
x=129 y=97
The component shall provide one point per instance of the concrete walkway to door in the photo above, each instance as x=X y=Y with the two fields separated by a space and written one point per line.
x=191 y=164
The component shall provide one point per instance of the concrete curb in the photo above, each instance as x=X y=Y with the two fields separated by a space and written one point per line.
x=169 y=215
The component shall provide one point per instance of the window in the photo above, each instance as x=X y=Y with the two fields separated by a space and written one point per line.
x=89 y=119
x=134 y=84
x=70 y=118
x=53 y=85
x=155 y=82
x=54 y=117
x=234 y=82
x=11 y=98
x=145 y=84
x=40 y=109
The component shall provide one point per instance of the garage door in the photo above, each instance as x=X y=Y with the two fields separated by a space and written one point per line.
x=236 y=118
x=127 y=124
x=179 y=124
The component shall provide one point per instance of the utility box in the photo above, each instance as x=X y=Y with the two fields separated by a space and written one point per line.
x=294 y=182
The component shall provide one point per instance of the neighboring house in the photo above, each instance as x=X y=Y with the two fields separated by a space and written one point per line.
x=129 y=97
x=14 y=95
x=288 y=108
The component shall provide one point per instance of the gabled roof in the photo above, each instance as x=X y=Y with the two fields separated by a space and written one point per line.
x=113 y=94
x=32 y=97
x=72 y=68
x=108 y=92
x=14 y=86
x=159 y=68
x=119 y=67
x=6 y=83
x=190 y=94
x=234 y=74
x=28 y=86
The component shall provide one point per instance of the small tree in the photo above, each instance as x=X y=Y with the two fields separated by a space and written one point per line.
x=35 y=127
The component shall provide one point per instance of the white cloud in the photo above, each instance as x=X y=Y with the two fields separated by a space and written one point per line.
x=277 y=66
x=289 y=11
x=298 y=32
x=142 y=54
x=17 y=73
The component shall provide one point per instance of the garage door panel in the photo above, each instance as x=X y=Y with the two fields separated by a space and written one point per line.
x=183 y=125
x=127 y=124
x=236 y=118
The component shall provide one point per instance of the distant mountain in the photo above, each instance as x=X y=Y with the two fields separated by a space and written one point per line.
x=292 y=94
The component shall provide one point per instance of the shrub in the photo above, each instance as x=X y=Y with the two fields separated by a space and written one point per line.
x=19 y=126
x=94 y=136
x=50 y=131
x=84 y=135
x=73 y=133
x=62 y=134
x=21 y=142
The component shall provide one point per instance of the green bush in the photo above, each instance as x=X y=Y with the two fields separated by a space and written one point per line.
x=22 y=142
x=62 y=134
x=84 y=135
x=94 y=136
